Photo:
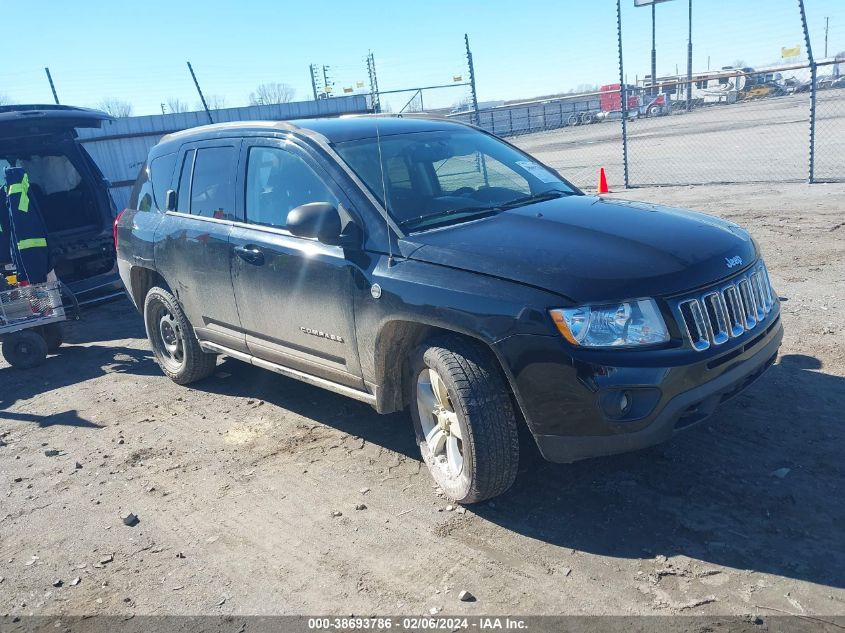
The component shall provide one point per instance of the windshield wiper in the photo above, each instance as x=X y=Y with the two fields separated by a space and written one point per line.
x=551 y=194
x=472 y=212
x=475 y=212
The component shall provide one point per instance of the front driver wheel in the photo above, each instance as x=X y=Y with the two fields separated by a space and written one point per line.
x=465 y=422
x=172 y=339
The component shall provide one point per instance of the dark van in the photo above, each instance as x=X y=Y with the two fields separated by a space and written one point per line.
x=69 y=189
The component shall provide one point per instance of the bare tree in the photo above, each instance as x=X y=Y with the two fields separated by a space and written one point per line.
x=267 y=94
x=5 y=99
x=177 y=105
x=215 y=102
x=462 y=104
x=116 y=107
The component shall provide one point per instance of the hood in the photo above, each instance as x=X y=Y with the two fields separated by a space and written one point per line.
x=593 y=249
x=19 y=121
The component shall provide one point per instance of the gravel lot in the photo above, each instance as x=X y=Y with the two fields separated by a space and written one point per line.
x=236 y=480
x=751 y=141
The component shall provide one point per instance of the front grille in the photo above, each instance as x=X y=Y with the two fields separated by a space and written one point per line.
x=727 y=310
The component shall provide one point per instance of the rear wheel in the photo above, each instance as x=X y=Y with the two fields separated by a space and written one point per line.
x=24 y=349
x=465 y=422
x=172 y=339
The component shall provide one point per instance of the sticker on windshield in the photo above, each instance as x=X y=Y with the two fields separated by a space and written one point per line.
x=538 y=171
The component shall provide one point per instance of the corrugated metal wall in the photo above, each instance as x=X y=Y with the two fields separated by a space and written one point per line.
x=120 y=147
x=535 y=116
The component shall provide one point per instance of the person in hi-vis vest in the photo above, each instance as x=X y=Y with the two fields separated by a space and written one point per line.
x=27 y=230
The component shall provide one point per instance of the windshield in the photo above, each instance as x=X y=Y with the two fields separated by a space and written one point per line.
x=443 y=177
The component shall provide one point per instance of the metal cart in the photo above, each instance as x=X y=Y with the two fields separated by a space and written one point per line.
x=30 y=321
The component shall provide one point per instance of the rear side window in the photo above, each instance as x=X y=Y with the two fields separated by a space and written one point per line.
x=213 y=184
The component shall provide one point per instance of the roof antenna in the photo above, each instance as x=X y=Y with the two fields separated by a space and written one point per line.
x=390 y=261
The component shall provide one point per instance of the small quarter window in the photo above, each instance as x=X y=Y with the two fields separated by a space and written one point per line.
x=161 y=173
x=185 y=182
x=152 y=183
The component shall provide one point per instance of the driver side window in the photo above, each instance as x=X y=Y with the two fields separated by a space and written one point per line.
x=278 y=181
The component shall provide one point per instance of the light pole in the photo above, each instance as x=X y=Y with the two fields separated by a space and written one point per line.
x=653 y=47
x=826 y=27
x=643 y=3
x=689 y=60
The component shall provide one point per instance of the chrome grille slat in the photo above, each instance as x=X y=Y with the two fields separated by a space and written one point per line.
x=697 y=330
x=768 y=287
x=735 y=312
x=717 y=315
x=748 y=305
x=727 y=310
x=758 y=295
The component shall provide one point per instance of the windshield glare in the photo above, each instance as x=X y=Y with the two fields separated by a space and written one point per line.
x=431 y=178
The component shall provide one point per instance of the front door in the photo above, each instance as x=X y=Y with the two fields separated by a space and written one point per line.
x=192 y=249
x=294 y=295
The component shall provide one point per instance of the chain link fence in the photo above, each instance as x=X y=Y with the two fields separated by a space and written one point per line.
x=829 y=137
x=753 y=119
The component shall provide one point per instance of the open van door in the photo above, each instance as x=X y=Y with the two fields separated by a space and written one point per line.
x=28 y=121
x=70 y=190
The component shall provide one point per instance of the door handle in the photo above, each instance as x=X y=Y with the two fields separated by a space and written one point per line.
x=251 y=254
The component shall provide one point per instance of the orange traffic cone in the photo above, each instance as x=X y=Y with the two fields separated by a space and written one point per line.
x=603 y=182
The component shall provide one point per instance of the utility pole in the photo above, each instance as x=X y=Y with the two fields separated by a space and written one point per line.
x=653 y=48
x=623 y=93
x=371 y=71
x=52 y=86
x=163 y=108
x=199 y=91
x=327 y=84
x=689 y=60
x=313 y=72
x=826 y=28
x=474 y=95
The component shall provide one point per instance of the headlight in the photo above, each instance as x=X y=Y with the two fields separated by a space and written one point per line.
x=626 y=324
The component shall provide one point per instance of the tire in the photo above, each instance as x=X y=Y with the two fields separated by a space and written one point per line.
x=24 y=349
x=173 y=341
x=54 y=336
x=480 y=461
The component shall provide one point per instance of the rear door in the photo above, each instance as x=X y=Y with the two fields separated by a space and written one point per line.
x=49 y=121
x=192 y=248
x=294 y=294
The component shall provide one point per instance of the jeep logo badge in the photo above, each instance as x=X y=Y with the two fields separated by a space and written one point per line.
x=736 y=260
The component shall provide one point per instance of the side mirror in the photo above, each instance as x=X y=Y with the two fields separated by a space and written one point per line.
x=319 y=220
x=170 y=200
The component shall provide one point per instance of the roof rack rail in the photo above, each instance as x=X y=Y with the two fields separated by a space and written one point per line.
x=395 y=115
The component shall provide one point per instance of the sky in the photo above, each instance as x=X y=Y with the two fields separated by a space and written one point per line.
x=137 y=51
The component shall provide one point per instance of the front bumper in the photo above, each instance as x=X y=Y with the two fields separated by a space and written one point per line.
x=564 y=398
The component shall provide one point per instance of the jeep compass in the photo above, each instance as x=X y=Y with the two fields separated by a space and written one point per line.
x=418 y=263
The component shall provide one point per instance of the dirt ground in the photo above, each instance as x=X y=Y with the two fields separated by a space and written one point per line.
x=235 y=481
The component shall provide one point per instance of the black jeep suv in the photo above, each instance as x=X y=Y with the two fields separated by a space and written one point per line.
x=421 y=263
